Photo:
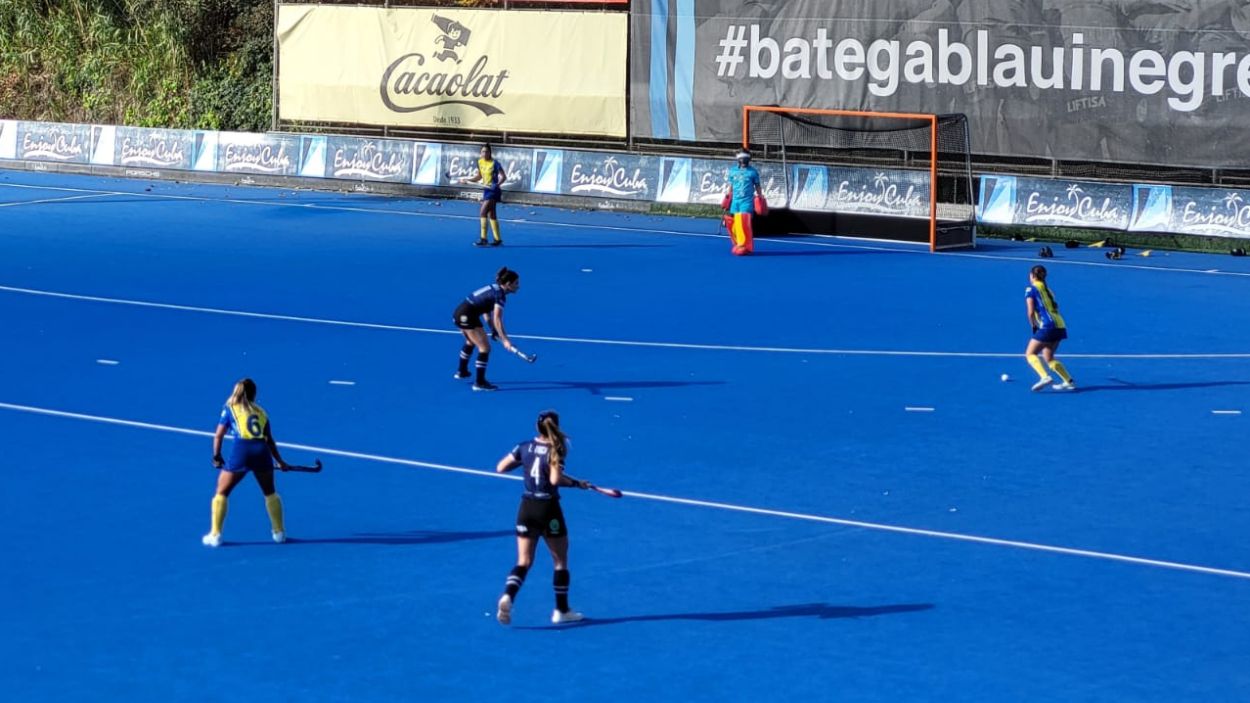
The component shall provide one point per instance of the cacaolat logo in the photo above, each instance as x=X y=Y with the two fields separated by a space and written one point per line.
x=415 y=82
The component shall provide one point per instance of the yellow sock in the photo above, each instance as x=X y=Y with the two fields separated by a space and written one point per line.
x=1057 y=366
x=494 y=228
x=219 y=514
x=1036 y=362
x=273 y=503
x=483 y=229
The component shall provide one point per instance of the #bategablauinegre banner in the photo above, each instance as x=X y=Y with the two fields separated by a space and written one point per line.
x=1097 y=80
x=519 y=71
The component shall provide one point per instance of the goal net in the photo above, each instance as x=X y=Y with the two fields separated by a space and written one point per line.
x=880 y=175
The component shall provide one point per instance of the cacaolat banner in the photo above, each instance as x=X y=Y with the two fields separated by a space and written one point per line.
x=1139 y=81
x=517 y=71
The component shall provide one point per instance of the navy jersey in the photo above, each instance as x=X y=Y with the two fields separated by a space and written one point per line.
x=483 y=300
x=535 y=458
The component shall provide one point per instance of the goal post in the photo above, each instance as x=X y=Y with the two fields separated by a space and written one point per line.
x=881 y=175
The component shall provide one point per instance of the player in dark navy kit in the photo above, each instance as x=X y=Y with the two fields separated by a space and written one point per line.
x=542 y=460
x=251 y=449
x=487 y=300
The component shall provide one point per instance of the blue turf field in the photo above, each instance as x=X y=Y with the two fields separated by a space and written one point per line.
x=778 y=384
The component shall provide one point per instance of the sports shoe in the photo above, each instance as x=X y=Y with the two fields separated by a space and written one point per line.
x=480 y=243
x=212 y=539
x=461 y=375
x=497 y=243
x=485 y=386
x=1040 y=385
x=559 y=618
x=504 y=614
x=279 y=537
x=1065 y=386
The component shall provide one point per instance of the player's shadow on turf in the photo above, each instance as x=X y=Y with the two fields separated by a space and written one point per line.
x=597 y=388
x=823 y=611
x=1129 y=386
x=392 y=538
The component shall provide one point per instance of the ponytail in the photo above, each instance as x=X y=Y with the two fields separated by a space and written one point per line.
x=505 y=275
x=549 y=429
x=243 y=395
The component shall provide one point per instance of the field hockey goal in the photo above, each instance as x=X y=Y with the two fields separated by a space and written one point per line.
x=879 y=175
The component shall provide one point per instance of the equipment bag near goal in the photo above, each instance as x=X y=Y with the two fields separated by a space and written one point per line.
x=879 y=175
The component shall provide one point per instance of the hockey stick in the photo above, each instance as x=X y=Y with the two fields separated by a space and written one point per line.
x=528 y=357
x=609 y=492
x=314 y=469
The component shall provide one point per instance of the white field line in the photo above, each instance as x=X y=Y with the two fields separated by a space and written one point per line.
x=937 y=534
x=609 y=342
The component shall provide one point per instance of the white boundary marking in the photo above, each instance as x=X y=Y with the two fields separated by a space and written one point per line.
x=810 y=240
x=589 y=340
x=620 y=398
x=342 y=383
x=1225 y=412
x=918 y=409
x=107 y=362
x=1106 y=556
x=56 y=200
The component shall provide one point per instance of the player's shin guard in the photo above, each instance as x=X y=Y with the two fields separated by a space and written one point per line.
x=561 y=582
x=1058 y=367
x=273 y=505
x=1036 y=362
x=515 y=579
x=741 y=234
x=465 y=352
x=494 y=228
x=219 y=514
x=483 y=358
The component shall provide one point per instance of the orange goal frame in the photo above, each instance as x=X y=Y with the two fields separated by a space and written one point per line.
x=932 y=119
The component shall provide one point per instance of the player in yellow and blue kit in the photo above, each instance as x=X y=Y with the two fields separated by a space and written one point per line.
x=252 y=449
x=744 y=185
x=1049 y=330
x=491 y=177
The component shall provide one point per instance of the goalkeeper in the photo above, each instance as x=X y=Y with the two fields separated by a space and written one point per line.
x=745 y=197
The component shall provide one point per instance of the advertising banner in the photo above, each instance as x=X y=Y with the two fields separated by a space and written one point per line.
x=137 y=147
x=355 y=158
x=705 y=181
x=1041 y=201
x=520 y=71
x=49 y=141
x=264 y=154
x=8 y=139
x=1209 y=212
x=461 y=161
x=1153 y=83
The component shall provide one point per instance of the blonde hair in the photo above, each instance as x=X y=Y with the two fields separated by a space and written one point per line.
x=549 y=429
x=244 y=394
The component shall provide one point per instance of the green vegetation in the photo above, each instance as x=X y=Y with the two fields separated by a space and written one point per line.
x=148 y=63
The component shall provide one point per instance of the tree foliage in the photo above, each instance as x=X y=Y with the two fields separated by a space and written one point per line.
x=148 y=63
